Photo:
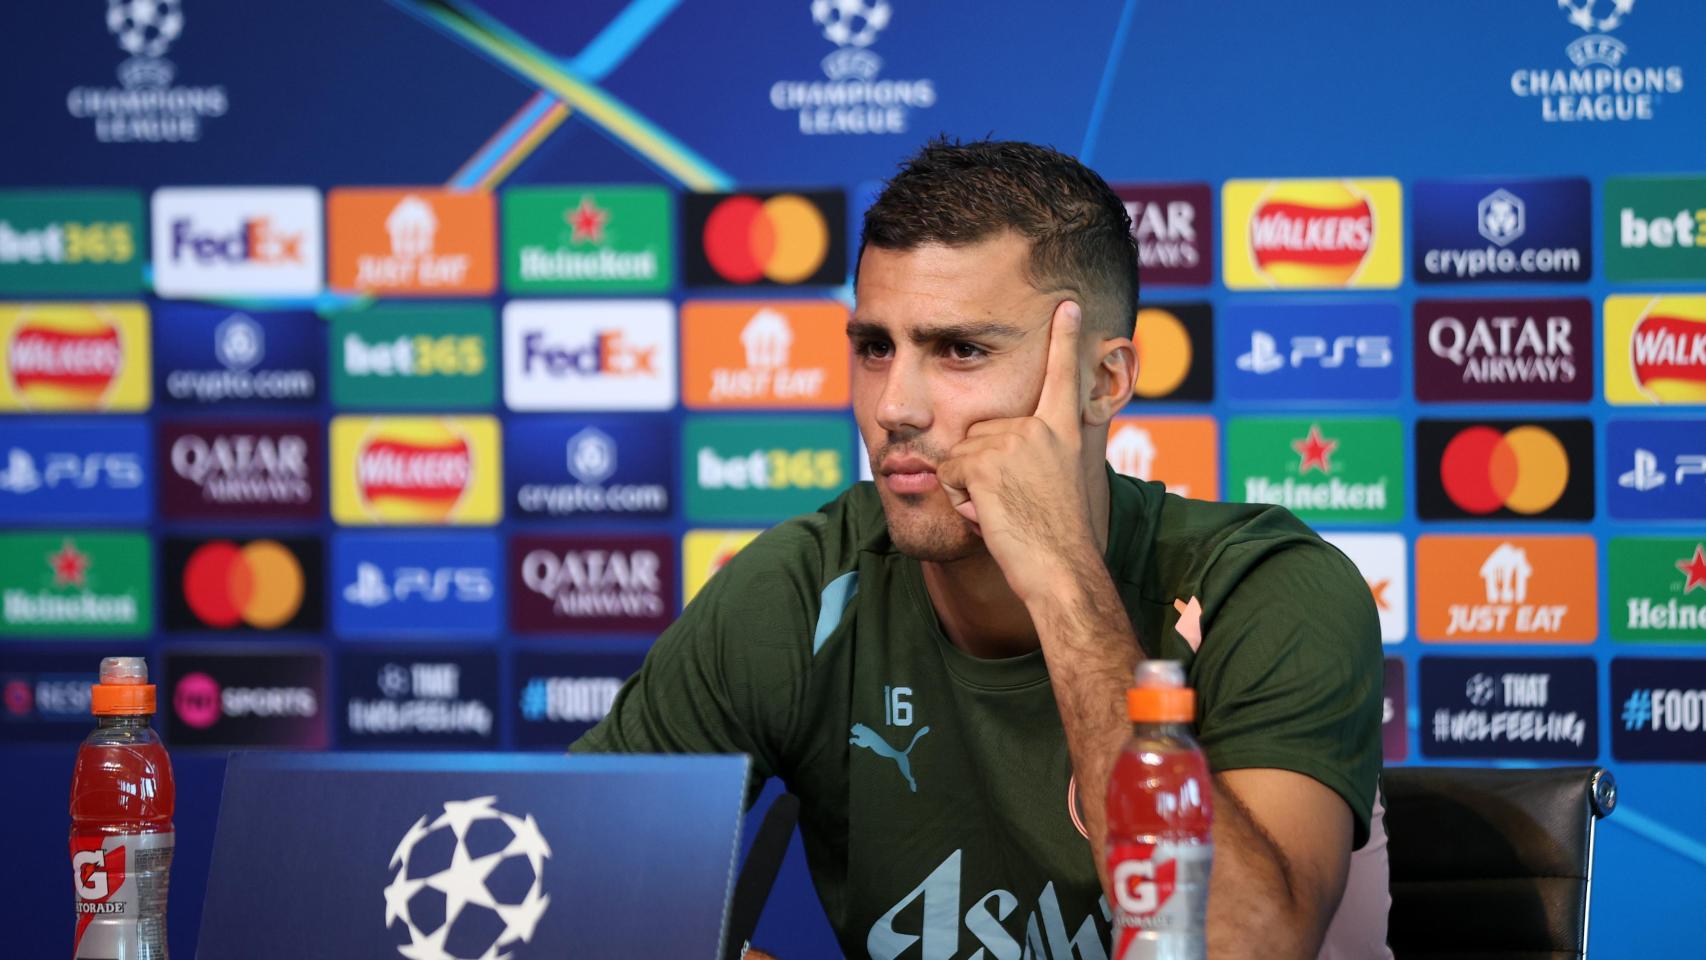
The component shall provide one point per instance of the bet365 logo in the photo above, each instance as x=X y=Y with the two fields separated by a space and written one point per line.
x=800 y=463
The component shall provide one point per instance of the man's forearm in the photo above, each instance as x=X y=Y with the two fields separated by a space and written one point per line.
x=1253 y=894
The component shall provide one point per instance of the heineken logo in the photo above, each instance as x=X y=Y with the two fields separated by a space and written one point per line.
x=1658 y=589
x=57 y=585
x=611 y=239
x=1323 y=469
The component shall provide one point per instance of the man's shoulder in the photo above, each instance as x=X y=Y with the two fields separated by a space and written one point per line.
x=795 y=560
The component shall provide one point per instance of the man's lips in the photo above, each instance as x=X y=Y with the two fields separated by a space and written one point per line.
x=908 y=475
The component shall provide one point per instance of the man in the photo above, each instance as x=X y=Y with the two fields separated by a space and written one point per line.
x=936 y=663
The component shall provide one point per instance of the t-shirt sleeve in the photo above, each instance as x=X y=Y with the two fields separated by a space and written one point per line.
x=1289 y=673
x=728 y=675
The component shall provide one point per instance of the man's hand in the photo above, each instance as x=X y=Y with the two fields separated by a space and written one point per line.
x=1019 y=479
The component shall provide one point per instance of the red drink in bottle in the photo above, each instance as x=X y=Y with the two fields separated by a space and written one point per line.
x=1159 y=813
x=121 y=822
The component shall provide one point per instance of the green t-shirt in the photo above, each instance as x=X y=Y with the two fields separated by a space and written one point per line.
x=934 y=785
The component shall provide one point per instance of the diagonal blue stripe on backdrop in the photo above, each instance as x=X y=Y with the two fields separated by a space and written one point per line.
x=619 y=38
x=1093 y=129
x=1661 y=834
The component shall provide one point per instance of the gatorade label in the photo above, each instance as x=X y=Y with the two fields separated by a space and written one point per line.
x=120 y=881
x=1161 y=899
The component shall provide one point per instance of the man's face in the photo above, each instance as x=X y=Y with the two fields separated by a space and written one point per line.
x=942 y=338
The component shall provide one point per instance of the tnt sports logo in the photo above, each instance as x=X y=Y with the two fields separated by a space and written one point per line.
x=780 y=239
x=589 y=355
x=236 y=241
x=196 y=700
x=415 y=470
x=259 y=584
x=412 y=242
x=755 y=354
x=69 y=356
x=1175 y=353
x=854 y=100
x=487 y=869
x=1504 y=469
x=1655 y=349
x=1498 y=589
x=1601 y=87
x=1312 y=234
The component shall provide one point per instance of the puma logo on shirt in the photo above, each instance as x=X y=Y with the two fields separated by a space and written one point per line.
x=871 y=740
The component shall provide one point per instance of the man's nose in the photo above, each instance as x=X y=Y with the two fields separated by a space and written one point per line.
x=904 y=405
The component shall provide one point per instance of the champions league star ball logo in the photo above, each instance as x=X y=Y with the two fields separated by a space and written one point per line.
x=468 y=884
x=145 y=29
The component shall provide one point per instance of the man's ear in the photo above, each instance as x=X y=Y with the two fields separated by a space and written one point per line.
x=1111 y=379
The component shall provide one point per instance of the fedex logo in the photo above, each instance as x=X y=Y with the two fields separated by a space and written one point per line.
x=589 y=355
x=237 y=241
x=258 y=240
x=606 y=352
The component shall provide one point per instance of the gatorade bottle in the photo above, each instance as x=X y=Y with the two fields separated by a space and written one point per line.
x=121 y=822
x=1159 y=813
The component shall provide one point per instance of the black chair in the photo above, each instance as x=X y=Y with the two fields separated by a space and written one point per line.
x=1492 y=864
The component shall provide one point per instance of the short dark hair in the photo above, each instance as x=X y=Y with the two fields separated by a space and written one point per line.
x=956 y=193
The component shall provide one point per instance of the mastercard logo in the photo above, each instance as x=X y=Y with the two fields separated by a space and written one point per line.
x=1525 y=470
x=1164 y=353
x=64 y=360
x=413 y=471
x=259 y=584
x=1314 y=233
x=1667 y=350
x=784 y=239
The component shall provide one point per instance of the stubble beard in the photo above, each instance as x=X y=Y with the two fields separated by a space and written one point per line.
x=924 y=526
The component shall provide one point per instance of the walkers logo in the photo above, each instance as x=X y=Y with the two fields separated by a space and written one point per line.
x=270 y=584
x=1322 y=351
x=391 y=585
x=586 y=584
x=1601 y=87
x=1502 y=231
x=74 y=356
x=704 y=552
x=1323 y=469
x=589 y=355
x=1518 y=351
x=1655 y=228
x=1394 y=707
x=44 y=697
x=588 y=240
x=70 y=472
x=246 y=699
x=416 y=471
x=1656 y=469
x=1658 y=589
x=854 y=100
x=1384 y=562
x=211 y=355
x=754 y=354
x=1504 y=470
x=567 y=469
x=147 y=107
x=418 y=699
x=1474 y=589
x=237 y=241
x=1312 y=234
x=390 y=356
x=1183 y=453
x=1515 y=708
x=1658 y=709
x=235 y=470
x=560 y=696
x=429 y=243
x=55 y=585
x=1655 y=349
x=769 y=239
x=1173 y=225
x=1175 y=353
x=764 y=469
x=84 y=242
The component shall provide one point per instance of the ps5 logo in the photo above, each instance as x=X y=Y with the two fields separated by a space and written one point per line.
x=75 y=471
x=373 y=588
x=1646 y=475
x=1265 y=357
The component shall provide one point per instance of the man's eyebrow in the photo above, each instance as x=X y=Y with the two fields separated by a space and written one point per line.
x=969 y=330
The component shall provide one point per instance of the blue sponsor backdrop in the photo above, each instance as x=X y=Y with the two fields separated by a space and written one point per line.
x=212 y=355
x=585 y=468
x=1478 y=708
x=1501 y=231
x=390 y=585
x=689 y=95
x=417 y=697
x=1317 y=352
x=1660 y=709
x=69 y=470
x=1656 y=469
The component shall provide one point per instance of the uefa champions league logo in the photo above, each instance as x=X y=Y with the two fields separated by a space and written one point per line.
x=459 y=883
x=852 y=25
x=145 y=29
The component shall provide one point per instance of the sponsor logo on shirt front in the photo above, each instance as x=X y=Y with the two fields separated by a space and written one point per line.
x=1657 y=589
x=1658 y=709
x=560 y=696
x=578 y=584
x=264 y=584
x=1502 y=231
x=1173 y=225
x=427 y=585
x=57 y=584
x=766 y=239
x=211 y=355
x=1528 y=708
x=237 y=241
x=1506 y=589
x=81 y=242
x=588 y=240
x=240 y=469
x=54 y=471
x=1175 y=353
x=1312 y=234
x=1655 y=349
x=64 y=357
x=589 y=355
x=418 y=698
x=1322 y=469
x=1656 y=469
x=764 y=353
x=409 y=356
x=259 y=698
x=1519 y=351
x=416 y=471
x=1504 y=469
x=422 y=242
x=1182 y=453
x=1322 y=351
x=1383 y=560
x=764 y=468
x=1655 y=228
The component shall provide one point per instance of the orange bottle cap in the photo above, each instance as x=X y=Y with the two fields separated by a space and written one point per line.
x=124 y=689
x=1161 y=705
